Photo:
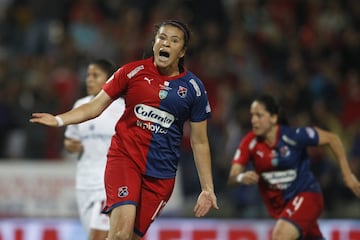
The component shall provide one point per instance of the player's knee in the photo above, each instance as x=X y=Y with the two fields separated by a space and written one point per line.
x=275 y=235
x=284 y=230
x=282 y=234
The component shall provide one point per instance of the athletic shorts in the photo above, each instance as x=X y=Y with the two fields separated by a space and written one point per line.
x=125 y=184
x=90 y=204
x=303 y=211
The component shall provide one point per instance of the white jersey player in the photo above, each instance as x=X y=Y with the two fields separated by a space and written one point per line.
x=91 y=140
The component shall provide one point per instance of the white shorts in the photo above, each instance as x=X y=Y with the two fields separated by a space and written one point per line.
x=90 y=205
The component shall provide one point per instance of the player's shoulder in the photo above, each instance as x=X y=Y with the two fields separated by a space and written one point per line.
x=195 y=84
x=137 y=65
x=131 y=69
x=190 y=76
x=249 y=136
x=296 y=135
x=249 y=139
x=284 y=129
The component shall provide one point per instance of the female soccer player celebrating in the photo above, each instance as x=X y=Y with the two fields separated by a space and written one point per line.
x=160 y=95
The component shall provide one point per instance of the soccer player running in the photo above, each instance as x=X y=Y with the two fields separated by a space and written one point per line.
x=91 y=140
x=282 y=170
x=160 y=95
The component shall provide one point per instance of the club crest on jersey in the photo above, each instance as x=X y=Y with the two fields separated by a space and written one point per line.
x=284 y=151
x=123 y=191
x=182 y=91
x=163 y=94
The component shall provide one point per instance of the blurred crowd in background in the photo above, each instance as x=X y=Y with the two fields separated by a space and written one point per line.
x=304 y=52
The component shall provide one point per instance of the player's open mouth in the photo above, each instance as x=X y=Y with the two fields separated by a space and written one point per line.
x=164 y=56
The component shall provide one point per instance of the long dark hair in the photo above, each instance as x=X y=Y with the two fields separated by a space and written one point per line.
x=272 y=106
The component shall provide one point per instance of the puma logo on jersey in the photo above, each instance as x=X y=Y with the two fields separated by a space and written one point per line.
x=148 y=79
x=260 y=154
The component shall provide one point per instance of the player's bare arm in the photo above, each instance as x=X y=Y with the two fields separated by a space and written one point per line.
x=200 y=146
x=77 y=115
x=336 y=146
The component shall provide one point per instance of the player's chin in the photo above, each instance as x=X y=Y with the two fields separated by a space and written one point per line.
x=162 y=64
x=257 y=132
x=90 y=91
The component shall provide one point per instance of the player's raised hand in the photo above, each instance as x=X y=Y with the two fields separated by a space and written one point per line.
x=44 y=119
x=205 y=201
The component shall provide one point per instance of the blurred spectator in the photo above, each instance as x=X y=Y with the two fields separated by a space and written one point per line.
x=350 y=98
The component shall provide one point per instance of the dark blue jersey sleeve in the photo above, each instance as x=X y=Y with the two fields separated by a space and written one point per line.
x=306 y=136
x=200 y=109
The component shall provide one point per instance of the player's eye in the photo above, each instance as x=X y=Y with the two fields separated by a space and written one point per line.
x=162 y=37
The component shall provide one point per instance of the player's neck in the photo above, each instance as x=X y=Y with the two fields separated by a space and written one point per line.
x=271 y=137
x=170 y=71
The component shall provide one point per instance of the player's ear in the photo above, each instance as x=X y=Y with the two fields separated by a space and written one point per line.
x=182 y=53
x=274 y=119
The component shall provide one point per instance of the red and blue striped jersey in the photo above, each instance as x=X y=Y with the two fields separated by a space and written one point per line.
x=156 y=108
x=284 y=168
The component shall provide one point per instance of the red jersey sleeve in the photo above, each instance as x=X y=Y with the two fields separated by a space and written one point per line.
x=116 y=84
x=243 y=152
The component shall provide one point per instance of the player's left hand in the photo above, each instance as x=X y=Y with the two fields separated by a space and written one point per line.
x=205 y=201
x=44 y=119
x=353 y=183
